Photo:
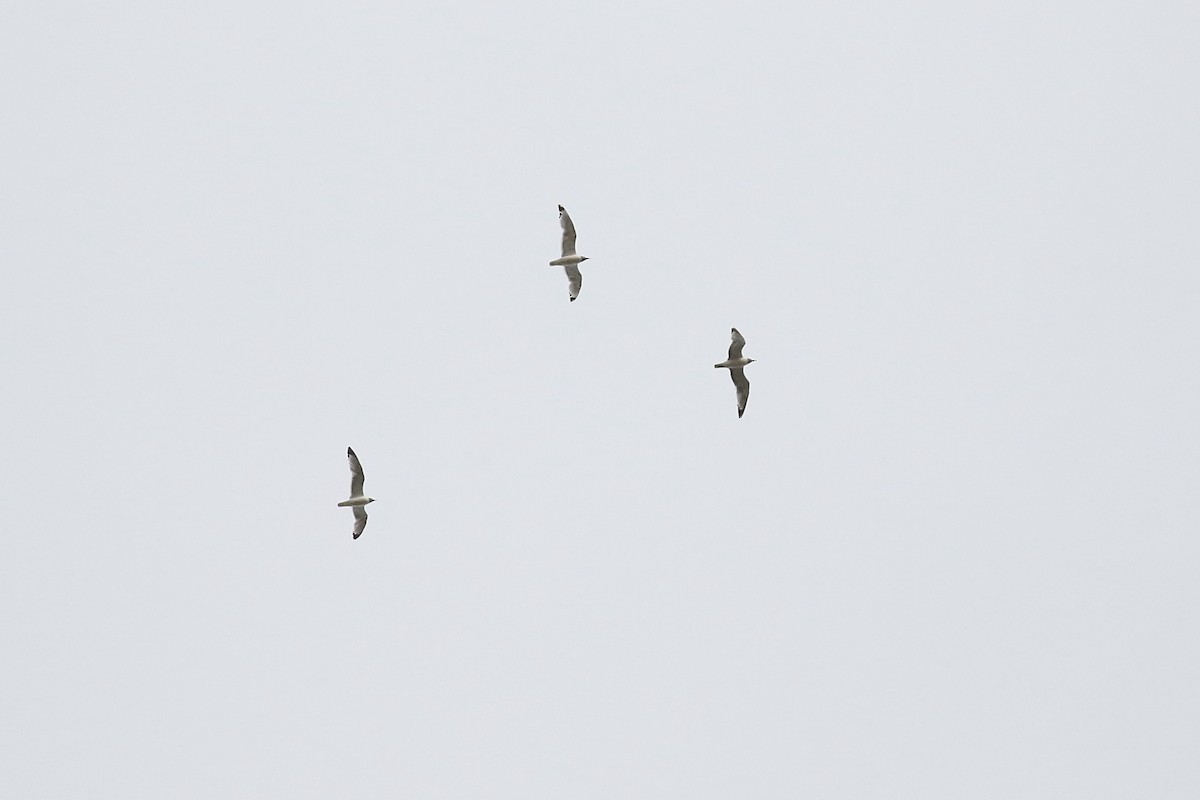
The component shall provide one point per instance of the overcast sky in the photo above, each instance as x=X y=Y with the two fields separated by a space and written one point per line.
x=951 y=551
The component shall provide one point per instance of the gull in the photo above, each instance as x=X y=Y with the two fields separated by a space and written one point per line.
x=357 y=498
x=734 y=364
x=570 y=260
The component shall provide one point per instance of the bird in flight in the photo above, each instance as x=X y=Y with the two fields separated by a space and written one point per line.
x=734 y=364
x=570 y=259
x=357 y=500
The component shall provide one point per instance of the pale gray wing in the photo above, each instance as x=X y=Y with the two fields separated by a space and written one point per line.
x=356 y=476
x=735 y=349
x=743 y=388
x=568 y=232
x=360 y=520
x=574 y=279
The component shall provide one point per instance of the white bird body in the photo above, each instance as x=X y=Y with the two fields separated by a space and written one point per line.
x=357 y=499
x=734 y=364
x=570 y=260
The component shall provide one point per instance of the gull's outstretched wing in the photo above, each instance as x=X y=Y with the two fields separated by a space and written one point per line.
x=568 y=232
x=575 y=279
x=360 y=520
x=735 y=349
x=356 y=480
x=743 y=387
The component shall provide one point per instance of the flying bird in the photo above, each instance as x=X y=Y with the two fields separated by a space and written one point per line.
x=734 y=364
x=570 y=260
x=357 y=499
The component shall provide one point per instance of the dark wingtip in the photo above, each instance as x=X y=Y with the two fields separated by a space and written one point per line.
x=561 y=209
x=349 y=451
x=740 y=412
x=572 y=299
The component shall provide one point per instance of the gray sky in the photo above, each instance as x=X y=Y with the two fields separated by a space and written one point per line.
x=950 y=552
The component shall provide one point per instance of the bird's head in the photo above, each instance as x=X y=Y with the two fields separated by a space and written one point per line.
x=582 y=259
x=370 y=499
x=750 y=360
